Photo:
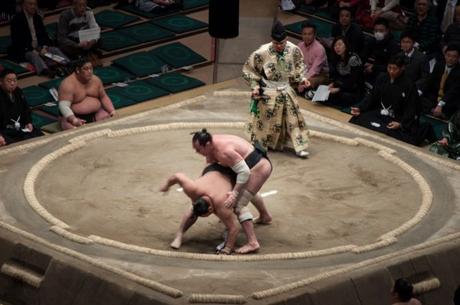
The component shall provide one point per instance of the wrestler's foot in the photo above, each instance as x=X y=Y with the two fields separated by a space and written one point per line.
x=176 y=243
x=303 y=154
x=248 y=248
x=267 y=220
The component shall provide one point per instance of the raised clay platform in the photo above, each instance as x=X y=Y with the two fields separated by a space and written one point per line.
x=82 y=221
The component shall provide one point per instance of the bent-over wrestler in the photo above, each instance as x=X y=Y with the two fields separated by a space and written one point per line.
x=208 y=194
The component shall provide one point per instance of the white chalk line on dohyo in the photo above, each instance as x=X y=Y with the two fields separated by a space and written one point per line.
x=80 y=141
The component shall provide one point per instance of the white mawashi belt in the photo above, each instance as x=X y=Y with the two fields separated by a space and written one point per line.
x=279 y=86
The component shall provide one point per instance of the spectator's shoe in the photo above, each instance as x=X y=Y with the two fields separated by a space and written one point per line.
x=309 y=94
x=303 y=154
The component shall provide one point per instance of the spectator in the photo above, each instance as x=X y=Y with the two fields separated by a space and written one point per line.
x=389 y=11
x=449 y=146
x=391 y=107
x=346 y=75
x=82 y=97
x=314 y=57
x=71 y=21
x=425 y=27
x=155 y=6
x=440 y=90
x=30 y=40
x=380 y=49
x=402 y=293
x=15 y=118
x=452 y=34
x=447 y=15
x=350 y=30
x=416 y=61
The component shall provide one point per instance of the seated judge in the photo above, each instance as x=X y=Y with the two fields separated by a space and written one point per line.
x=391 y=107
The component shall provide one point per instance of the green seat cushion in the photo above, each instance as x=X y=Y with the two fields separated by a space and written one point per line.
x=180 y=24
x=133 y=10
x=113 y=19
x=6 y=64
x=140 y=64
x=112 y=74
x=146 y=32
x=175 y=82
x=115 y=40
x=51 y=109
x=39 y=120
x=5 y=42
x=177 y=55
x=192 y=4
x=311 y=10
x=139 y=91
x=437 y=124
x=51 y=29
x=323 y=28
x=53 y=83
x=36 y=96
x=118 y=100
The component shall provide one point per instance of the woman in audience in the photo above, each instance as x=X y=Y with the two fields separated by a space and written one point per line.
x=346 y=74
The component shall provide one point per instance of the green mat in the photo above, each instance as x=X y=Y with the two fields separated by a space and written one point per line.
x=175 y=82
x=51 y=109
x=111 y=74
x=323 y=28
x=118 y=100
x=192 y=4
x=133 y=10
x=113 y=19
x=53 y=83
x=177 y=55
x=36 y=96
x=311 y=10
x=437 y=125
x=139 y=91
x=6 y=64
x=39 y=120
x=51 y=29
x=180 y=24
x=115 y=40
x=140 y=64
x=5 y=42
x=146 y=32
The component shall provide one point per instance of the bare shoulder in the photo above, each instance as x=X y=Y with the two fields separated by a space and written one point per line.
x=96 y=81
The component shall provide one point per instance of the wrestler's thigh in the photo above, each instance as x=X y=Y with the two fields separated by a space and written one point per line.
x=259 y=174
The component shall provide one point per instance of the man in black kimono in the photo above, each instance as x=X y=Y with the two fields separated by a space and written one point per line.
x=15 y=118
x=391 y=107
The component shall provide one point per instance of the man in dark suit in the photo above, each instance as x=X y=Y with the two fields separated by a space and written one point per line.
x=416 y=61
x=440 y=90
x=350 y=30
x=30 y=40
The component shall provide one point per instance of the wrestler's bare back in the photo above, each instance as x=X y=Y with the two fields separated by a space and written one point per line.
x=224 y=144
x=215 y=186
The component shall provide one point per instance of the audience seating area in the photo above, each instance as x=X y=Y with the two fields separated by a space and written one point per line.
x=153 y=71
x=324 y=22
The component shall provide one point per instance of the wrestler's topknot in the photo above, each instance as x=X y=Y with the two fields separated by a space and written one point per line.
x=202 y=137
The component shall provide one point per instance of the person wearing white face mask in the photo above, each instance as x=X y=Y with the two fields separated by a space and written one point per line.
x=381 y=48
